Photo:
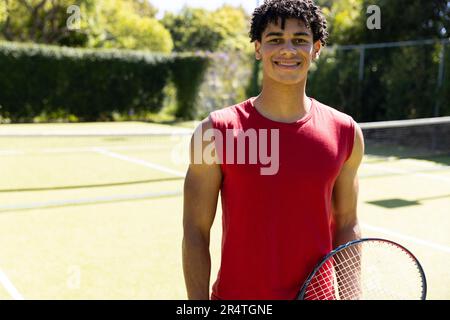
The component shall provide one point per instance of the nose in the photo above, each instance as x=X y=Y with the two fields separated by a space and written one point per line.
x=288 y=48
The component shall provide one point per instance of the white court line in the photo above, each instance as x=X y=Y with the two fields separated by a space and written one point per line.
x=86 y=201
x=383 y=174
x=399 y=171
x=91 y=149
x=7 y=284
x=11 y=153
x=418 y=241
x=422 y=163
x=4 y=153
x=140 y=162
x=94 y=133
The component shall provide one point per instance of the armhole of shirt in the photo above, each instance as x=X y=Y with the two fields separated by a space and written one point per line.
x=218 y=124
x=350 y=138
x=213 y=119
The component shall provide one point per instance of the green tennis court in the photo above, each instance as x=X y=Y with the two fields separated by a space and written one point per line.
x=94 y=211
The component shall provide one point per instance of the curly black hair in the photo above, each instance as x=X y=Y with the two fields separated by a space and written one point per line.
x=306 y=10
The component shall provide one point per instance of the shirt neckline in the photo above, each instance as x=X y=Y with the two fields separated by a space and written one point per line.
x=296 y=123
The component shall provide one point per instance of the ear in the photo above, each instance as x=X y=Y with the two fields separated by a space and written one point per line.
x=258 y=55
x=317 y=48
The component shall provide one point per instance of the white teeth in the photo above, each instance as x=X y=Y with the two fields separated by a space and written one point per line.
x=288 y=64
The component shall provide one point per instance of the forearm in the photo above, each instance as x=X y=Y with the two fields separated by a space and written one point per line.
x=196 y=266
x=345 y=233
x=348 y=265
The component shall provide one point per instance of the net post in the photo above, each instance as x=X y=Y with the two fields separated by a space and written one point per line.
x=440 y=79
x=362 y=54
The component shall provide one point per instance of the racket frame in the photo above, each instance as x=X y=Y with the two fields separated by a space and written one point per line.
x=308 y=280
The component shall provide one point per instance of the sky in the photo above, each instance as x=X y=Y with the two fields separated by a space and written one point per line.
x=176 y=5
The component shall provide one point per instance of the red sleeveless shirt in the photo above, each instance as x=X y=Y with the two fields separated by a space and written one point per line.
x=276 y=227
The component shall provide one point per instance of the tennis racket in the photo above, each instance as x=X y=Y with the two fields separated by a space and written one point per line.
x=366 y=269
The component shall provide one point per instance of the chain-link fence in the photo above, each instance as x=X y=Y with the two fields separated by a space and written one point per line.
x=385 y=81
x=371 y=82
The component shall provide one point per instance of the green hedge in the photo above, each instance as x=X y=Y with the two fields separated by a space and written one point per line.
x=188 y=73
x=91 y=84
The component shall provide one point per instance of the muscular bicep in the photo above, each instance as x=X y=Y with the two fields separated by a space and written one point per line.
x=346 y=187
x=201 y=187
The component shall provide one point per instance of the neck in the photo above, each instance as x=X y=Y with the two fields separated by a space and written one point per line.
x=283 y=103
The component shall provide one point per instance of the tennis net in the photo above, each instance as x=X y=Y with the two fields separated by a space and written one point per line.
x=152 y=164
x=19 y=143
x=402 y=138
x=408 y=138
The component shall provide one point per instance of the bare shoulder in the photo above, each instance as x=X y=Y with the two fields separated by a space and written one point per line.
x=203 y=155
x=358 y=148
x=205 y=124
x=199 y=143
x=201 y=186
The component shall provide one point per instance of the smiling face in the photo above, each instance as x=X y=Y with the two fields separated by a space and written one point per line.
x=287 y=54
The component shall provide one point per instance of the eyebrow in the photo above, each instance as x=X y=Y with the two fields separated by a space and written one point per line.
x=270 y=34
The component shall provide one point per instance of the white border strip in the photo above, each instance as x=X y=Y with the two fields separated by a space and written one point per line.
x=7 y=284
x=435 y=246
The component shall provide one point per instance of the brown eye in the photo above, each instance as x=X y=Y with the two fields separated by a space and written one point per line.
x=299 y=41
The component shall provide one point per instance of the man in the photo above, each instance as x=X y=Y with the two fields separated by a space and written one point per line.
x=276 y=226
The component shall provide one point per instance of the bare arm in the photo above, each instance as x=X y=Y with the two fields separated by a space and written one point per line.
x=201 y=190
x=345 y=195
x=345 y=198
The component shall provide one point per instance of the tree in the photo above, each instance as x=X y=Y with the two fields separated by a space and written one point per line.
x=40 y=21
x=126 y=24
x=144 y=8
x=118 y=25
x=403 y=20
x=2 y=13
x=389 y=70
x=343 y=18
x=233 y=24
x=191 y=30
x=198 y=29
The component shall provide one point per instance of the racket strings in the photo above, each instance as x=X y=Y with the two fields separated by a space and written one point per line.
x=327 y=280
x=348 y=271
x=367 y=270
x=321 y=288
